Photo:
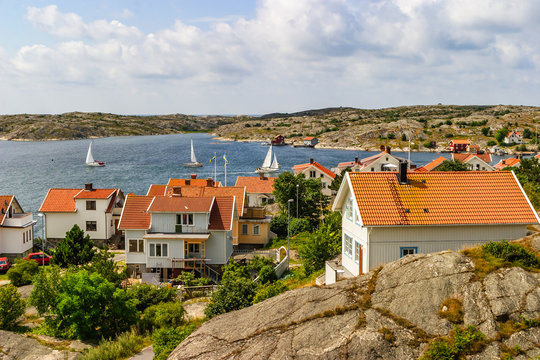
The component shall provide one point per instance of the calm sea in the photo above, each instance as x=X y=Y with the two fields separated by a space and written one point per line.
x=29 y=169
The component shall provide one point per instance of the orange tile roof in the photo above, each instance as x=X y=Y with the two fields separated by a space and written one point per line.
x=221 y=216
x=95 y=194
x=507 y=162
x=192 y=182
x=464 y=157
x=432 y=165
x=441 y=198
x=308 y=138
x=180 y=204
x=60 y=200
x=222 y=191
x=513 y=132
x=420 y=169
x=301 y=167
x=461 y=141
x=254 y=184
x=156 y=189
x=134 y=215
x=5 y=202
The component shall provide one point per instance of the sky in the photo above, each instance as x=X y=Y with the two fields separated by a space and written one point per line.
x=256 y=57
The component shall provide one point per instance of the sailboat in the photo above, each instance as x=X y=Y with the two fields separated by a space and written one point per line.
x=194 y=162
x=90 y=158
x=270 y=164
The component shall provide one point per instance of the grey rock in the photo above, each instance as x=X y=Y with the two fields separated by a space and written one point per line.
x=477 y=310
x=18 y=347
x=492 y=351
x=526 y=340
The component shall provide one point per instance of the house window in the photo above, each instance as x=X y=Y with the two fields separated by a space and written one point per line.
x=322 y=175
x=372 y=169
x=90 y=205
x=91 y=226
x=408 y=251
x=312 y=174
x=356 y=252
x=256 y=230
x=111 y=222
x=357 y=217
x=244 y=229
x=158 y=250
x=348 y=209
x=184 y=219
x=323 y=185
x=136 y=245
x=348 y=245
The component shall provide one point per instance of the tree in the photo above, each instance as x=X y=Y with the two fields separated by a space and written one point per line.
x=146 y=295
x=324 y=244
x=501 y=134
x=486 y=130
x=299 y=225
x=527 y=133
x=235 y=292
x=168 y=314
x=23 y=271
x=11 y=306
x=74 y=249
x=403 y=137
x=336 y=183
x=90 y=307
x=45 y=293
x=103 y=264
x=451 y=165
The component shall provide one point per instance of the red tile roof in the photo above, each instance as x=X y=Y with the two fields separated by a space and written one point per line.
x=155 y=189
x=222 y=191
x=221 y=217
x=432 y=165
x=169 y=204
x=95 y=194
x=302 y=167
x=441 y=198
x=5 y=202
x=60 y=200
x=461 y=141
x=134 y=215
x=464 y=157
x=254 y=184
x=193 y=182
x=506 y=163
x=309 y=138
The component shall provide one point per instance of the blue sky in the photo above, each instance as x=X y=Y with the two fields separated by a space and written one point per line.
x=254 y=57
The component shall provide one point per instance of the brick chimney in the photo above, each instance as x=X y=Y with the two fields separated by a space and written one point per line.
x=382 y=148
x=262 y=177
x=311 y=161
x=388 y=149
x=402 y=175
x=209 y=182
x=193 y=176
x=356 y=160
x=88 y=187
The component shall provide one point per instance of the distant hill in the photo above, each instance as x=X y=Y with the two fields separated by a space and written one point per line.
x=342 y=127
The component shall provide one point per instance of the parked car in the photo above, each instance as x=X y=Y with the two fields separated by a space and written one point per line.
x=39 y=257
x=5 y=264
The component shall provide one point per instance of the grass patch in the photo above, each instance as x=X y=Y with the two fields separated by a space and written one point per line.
x=388 y=334
x=125 y=345
x=3 y=276
x=452 y=310
x=508 y=328
x=508 y=353
x=459 y=343
x=296 y=242
x=295 y=278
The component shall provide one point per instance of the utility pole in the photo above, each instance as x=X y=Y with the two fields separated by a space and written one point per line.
x=297 y=186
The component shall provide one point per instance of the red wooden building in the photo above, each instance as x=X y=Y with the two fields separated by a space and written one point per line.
x=458 y=145
x=278 y=140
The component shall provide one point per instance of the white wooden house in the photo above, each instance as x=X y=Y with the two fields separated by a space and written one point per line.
x=16 y=228
x=314 y=170
x=387 y=215
x=383 y=161
x=513 y=137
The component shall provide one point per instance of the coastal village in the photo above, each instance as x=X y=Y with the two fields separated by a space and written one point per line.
x=389 y=209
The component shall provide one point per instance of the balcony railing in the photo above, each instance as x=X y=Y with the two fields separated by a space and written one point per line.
x=19 y=220
x=254 y=213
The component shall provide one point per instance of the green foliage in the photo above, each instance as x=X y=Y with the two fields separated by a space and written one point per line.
x=527 y=133
x=486 y=130
x=258 y=262
x=452 y=310
x=448 y=122
x=513 y=253
x=403 y=137
x=124 y=346
x=450 y=165
x=491 y=143
x=299 y=225
x=11 y=306
x=187 y=278
x=45 y=293
x=336 y=183
x=267 y=274
x=269 y=290
x=23 y=271
x=461 y=342
x=164 y=341
x=429 y=145
x=145 y=295
x=521 y=147
x=90 y=307
x=74 y=249
x=391 y=136
x=279 y=224
x=103 y=264
x=501 y=134
x=528 y=174
x=324 y=245
x=235 y=292
x=169 y=314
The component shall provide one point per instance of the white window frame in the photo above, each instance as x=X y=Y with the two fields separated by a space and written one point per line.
x=246 y=227
x=347 y=245
x=256 y=229
x=139 y=245
x=186 y=219
x=356 y=217
x=348 y=209
x=357 y=248
x=153 y=248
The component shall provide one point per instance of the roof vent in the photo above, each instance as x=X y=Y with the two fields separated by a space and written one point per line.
x=209 y=182
x=407 y=210
x=311 y=161
x=88 y=187
x=426 y=210
x=423 y=181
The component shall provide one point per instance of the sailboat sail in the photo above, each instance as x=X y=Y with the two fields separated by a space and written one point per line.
x=268 y=159
x=275 y=164
x=193 y=158
x=89 y=157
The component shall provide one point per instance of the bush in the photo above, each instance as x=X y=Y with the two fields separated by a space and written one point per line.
x=23 y=272
x=166 y=340
x=267 y=274
x=512 y=253
x=11 y=306
x=147 y=295
x=269 y=290
x=104 y=264
x=299 y=225
x=278 y=225
x=170 y=314
x=323 y=245
x=461 y=342
x=491 y=143
x=45 y=293
x=126 y=345
x=452 y=310
x=258 y=262
x=187 y=278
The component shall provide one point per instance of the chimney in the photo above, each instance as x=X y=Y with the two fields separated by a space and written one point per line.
x=356 y=160
x=209 y=182
x=382 y=148
x=402 y=175
x=193 y=176
x=311 y=161
x=261 y=176
x=188 y=182
x=504 y=161
x=88 y=187
x=388 y=149
x=177 y=190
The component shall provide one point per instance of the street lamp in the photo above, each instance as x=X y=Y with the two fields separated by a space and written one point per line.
x=42 y=239
x=288 y=225
x=297 y=186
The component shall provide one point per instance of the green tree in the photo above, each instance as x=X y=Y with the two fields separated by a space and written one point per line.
x=104 y=264
x=90 y=307
x=235 y=292
x=491 y=143
x=74 y=249
x=145 y=295
x=11 y=306
x=486 y=130
x=165 y=340
x=23 y=272
x=45 y=293
x=324 y=245
x=451 y=165
x=336 y=183
x=527 y=133
x=168 y=314
x=528 y=174
x=278 y=224
x=403 y=137
x=501 y=134
x=267 y=274
x=299 y=225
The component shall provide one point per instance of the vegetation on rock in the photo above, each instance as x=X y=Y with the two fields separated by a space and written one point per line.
x=11 y=306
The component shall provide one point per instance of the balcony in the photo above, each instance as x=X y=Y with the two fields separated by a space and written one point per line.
x=254 y=213
x=19 y=220
x=189 y=229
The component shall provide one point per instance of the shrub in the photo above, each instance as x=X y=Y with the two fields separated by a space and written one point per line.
x=461 y=342
x=166 y=340
x=170 y=314
x=267 y=274
x=258 y=262
x=452 y=310
x=104 y=264
x=323 y=245
x=388 y=334
x=491 y=143
x=269 y=290
x=23 y=271
x=126 y=345
x=11 y=306
x=299 y=225
x=278 y=225
x=512 y=253
x=147 y=295
x=45 y=293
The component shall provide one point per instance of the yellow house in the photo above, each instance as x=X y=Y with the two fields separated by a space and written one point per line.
x=254 y=227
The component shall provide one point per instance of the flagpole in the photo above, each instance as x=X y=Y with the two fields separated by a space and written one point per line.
x=225 y=166
x=215 y=168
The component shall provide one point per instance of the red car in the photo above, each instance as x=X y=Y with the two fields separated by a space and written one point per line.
x=39 y=257
x=5 y=264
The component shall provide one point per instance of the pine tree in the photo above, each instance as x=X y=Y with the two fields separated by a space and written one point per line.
x=75 y=249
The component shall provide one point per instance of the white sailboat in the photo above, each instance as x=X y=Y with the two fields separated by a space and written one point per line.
x=270 y=164
x=90 y=158
x=194 y=162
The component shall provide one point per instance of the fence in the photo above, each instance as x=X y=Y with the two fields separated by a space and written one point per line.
x=188 y=292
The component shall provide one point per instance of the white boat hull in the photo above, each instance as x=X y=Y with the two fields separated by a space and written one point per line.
x=266 y=170
x=96 y=163
x=193 y=165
